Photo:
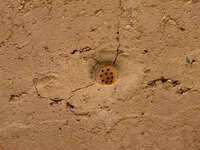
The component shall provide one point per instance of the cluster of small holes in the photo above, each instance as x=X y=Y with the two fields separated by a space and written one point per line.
x=107 y=75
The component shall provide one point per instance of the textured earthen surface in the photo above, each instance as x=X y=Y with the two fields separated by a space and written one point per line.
x=50 y=100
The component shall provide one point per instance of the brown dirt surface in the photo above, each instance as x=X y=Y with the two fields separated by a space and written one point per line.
x=50 y=52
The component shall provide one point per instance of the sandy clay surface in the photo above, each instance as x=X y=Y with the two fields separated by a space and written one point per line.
x=51 y=96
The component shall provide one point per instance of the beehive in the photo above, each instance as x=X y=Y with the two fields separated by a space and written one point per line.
x=107 y=75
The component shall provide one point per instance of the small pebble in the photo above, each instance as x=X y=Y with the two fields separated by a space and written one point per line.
x=187 y=60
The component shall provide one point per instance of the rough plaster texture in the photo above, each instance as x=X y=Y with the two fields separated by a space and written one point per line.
x=49 y=99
